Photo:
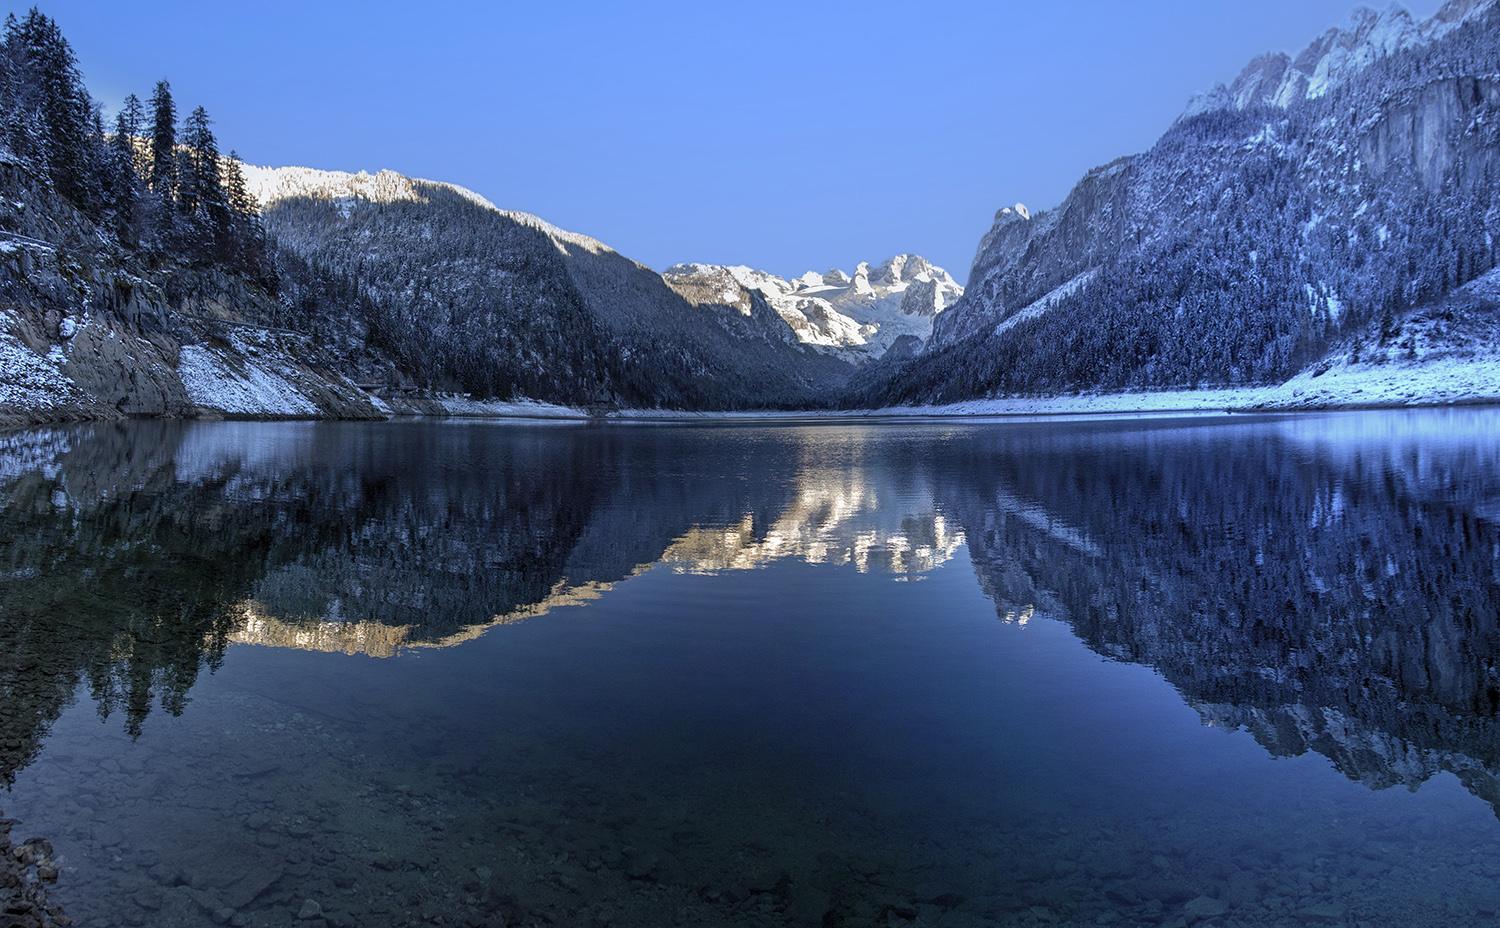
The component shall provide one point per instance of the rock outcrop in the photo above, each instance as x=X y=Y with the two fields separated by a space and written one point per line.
x=89 y=330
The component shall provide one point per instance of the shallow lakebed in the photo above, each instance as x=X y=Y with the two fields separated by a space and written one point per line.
x=1207 y=671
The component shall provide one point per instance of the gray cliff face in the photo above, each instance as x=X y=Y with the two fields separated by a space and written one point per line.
x=1443 y=131
x=1258 y=234
x=1025 y=256
x=922 y=299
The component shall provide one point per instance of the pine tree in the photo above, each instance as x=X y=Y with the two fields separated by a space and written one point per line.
x=247 y=241
x=128 y=132
x=45 y=89
x=163 y=140
x=200 y=190
x=123 y=179
x=162 y=177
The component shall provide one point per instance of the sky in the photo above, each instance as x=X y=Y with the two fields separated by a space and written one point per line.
x=788 y=136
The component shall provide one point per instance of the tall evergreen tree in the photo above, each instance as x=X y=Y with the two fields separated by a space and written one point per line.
x=47 y=89
x=123 y=171
x=248 y=236
x=128 y=131
x=200 y=189
x=162 y=177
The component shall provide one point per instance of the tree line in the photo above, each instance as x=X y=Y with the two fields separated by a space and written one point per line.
x=158 y=186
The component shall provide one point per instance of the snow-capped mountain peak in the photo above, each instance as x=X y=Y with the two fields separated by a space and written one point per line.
x=856 y=316
x=1279 y=79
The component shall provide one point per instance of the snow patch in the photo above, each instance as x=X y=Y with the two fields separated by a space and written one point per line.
x=461 y=405
x=32 y=381
x=1048 y=302
x=211 y=382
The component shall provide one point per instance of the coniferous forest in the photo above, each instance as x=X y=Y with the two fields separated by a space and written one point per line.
x=156 y=182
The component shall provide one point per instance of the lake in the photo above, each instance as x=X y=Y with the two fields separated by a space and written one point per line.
x=1203 y=671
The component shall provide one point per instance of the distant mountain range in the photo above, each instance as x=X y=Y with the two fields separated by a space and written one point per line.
x=454 y=292
x=859 y=317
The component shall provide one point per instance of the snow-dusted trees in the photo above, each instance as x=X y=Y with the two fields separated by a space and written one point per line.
x=201 y=200
x=123 y=185
x=244 y=245
x=173 y=195
x=143 y=182
x=48 y=112
x=1245 y=244
x=163 y=174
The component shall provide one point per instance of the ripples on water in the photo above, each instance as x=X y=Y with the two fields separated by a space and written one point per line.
x=458 y=673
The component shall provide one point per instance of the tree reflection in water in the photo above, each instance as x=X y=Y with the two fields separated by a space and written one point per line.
x=1328 y=584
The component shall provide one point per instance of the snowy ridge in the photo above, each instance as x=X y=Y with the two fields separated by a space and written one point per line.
x=1047 y=302
x=272 y=185
x=1280 y=80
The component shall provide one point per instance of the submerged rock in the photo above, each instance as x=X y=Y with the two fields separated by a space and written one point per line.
x=1205 y=907
x=24 y=872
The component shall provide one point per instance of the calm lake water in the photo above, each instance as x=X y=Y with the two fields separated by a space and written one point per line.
x=1213 y=671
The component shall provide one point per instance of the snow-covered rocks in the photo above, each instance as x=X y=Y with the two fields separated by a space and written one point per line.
x=857 y=317
x=1279 y=79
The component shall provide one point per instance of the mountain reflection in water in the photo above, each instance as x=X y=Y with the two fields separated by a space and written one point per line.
x=1327 y=584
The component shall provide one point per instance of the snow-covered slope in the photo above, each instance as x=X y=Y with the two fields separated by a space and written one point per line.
x=269 y=186
x=857 y=317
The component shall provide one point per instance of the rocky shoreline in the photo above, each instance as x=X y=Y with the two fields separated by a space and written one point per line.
x=26 y=869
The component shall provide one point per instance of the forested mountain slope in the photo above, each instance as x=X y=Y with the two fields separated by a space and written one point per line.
x=1313 y=204
x=466 y=296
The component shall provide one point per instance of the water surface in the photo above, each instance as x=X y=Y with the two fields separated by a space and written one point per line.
x=1224 y=671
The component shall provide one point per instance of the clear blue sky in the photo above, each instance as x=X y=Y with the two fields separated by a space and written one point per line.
x=784 y=135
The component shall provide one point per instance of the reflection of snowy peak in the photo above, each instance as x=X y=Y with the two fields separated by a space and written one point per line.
x=837 y=517
x=1279 y=79
x=858 y=317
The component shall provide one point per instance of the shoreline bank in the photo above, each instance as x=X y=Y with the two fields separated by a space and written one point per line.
x=1344 y=387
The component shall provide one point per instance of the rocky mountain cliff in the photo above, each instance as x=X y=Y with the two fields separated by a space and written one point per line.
x=1279 y=79
x=857 y=318
x=1313 y=204
x=90 y=329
